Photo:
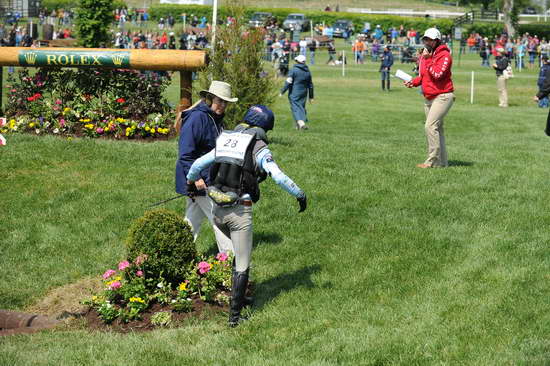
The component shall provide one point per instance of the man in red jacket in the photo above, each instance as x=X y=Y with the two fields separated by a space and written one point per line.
x=437 y=87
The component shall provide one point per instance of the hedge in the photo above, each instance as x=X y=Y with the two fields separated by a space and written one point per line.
x=72 y=4
x=317 y=17
x=542 y=30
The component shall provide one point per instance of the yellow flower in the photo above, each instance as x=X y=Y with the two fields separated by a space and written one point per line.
x=153 y=130
x=69 y=138
x=127 y=133
x=147 y=129
x=66 y=109
x=110 y=282
x=31 y=125
x=183 y=286
x=137 y=299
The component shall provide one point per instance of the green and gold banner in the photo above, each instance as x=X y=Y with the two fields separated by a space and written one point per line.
x=71 y=58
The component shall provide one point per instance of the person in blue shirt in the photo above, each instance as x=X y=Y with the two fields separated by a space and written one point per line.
x=299 y=86
x=240 y=161
x=199 y=127
x=385 y=66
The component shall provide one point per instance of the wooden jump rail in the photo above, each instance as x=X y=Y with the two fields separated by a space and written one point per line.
x=141 y=59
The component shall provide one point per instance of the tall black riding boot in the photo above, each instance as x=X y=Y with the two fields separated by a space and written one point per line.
x=388 y=81
x=238 y=289
x=383 y=85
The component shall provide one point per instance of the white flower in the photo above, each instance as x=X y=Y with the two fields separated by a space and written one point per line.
x=173 y=301
x=56 y=130
x=160 y=285
x=37 y=131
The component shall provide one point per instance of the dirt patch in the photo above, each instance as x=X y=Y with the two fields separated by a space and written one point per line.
x=67 y=299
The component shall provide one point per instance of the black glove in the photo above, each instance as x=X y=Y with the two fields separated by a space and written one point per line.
x=191 y=190
x=303 y=202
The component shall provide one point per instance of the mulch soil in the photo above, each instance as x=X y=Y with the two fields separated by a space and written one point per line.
x=200 y=309
x=144 y=324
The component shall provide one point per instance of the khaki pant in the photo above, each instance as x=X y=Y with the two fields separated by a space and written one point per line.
x=435 y=110
x=195 y=213
x=502 y=91
x=236 y=223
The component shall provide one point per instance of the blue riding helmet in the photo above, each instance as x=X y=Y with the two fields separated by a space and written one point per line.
x=261 y=116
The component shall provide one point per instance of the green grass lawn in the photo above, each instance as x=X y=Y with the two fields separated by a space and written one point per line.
x=389 y=265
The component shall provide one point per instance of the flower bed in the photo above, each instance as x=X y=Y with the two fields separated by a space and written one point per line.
x=121 y=104
x=132 y=301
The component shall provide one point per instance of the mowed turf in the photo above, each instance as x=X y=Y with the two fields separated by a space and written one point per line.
x=389 y=265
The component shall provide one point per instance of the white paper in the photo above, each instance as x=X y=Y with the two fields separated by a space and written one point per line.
x=403 y=76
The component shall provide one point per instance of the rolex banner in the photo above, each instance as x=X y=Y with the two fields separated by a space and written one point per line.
x=72 y=58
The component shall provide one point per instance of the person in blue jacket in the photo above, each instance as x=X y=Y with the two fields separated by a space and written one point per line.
x=543 y=103
x=240 y=161
x=299 y=86
x=385 y=66
x=199 y=127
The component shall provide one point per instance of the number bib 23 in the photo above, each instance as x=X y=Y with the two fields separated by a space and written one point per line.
x=231 y=147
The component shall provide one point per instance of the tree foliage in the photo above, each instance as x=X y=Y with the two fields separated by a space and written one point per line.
x=237 y=59
x=94 y=18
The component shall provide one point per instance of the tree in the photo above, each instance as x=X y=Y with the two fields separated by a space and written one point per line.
x=238 y=60
x=94 y=18
x=510 y=16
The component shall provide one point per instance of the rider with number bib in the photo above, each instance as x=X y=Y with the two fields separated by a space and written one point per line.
x=239 y=162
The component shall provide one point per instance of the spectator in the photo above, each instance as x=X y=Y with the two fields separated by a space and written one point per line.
x=299 y=85
x=385 y=66
x=544 y=71
x=500 y=65
x=331 y=53
x=543 y=93
x=312 y=49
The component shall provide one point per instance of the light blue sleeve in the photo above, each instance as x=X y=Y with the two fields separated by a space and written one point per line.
x=201 y=163
x=264 y=159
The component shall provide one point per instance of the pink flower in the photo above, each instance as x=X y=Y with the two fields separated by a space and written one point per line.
x=123 y=265
x=13 y=90
x=115 y=285
x=62 y=122
x=108 y=273
x=99 y=130
x=222 y=257
x=204 y=267
x=139 y=273
x=58 y=101
x=140 y=259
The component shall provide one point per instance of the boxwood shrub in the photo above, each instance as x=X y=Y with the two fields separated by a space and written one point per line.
x=165 y=238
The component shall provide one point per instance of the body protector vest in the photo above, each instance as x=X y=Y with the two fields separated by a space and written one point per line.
x=235 y=169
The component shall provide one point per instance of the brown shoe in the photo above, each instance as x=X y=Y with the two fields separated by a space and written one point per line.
x=423 y=166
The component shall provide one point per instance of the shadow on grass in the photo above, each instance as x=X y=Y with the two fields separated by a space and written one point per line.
x=278 y=140
x=267 y=238
x=460 y=163
x=268 y=290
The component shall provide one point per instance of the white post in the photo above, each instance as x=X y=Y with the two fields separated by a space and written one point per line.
x=343 y=63
x=472 y=90
x=30 y=30
x=184 y=21
x=311 y=28
x=215 y=23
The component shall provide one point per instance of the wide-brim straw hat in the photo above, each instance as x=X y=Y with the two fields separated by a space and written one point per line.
x=221 y=90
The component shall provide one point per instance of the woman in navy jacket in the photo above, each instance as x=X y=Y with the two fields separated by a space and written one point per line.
x=299 y=85
x=199 y=127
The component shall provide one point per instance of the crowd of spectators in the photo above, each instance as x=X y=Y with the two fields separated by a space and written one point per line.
x=526 y=50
